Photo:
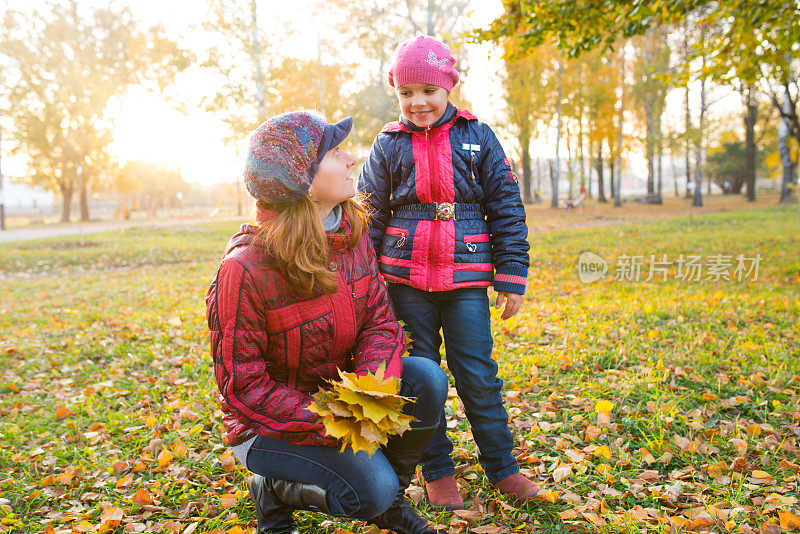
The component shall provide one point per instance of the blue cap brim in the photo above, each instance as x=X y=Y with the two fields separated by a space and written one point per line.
x=333 y=135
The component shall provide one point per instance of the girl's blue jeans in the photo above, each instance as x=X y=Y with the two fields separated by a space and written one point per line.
x=358 y=485
x=463 y=317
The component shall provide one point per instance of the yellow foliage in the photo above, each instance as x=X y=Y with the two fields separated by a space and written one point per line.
x=603 y=451
x=603 y=406
x=362 y=411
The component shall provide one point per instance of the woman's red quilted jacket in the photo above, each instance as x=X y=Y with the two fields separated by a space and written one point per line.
x=273 y=349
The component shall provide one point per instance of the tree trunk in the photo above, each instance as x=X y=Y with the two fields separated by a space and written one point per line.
x=570 y=170
x=2 y=195
x=525 y=141
x=698 y=157
x=84 y=199
x=674 y=172
x=589 y=170
x=618 y=163
x=611 y=177
x=783 y=148
x=601 y=194
x=687 y=117
x=751 y=114
x=255 y=54
x=557 y=167
x=660 y=173
x=580 y=146
x=649 y=144
x=66 y=201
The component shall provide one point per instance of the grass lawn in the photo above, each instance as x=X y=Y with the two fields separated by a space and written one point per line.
x=639 y=405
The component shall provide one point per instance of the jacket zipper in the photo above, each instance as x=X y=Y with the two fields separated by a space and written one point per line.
x=435 y=199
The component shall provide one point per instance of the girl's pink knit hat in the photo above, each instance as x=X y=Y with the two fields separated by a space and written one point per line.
x=423 y=59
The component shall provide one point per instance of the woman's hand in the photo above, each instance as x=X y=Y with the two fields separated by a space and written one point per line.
x=513 y=301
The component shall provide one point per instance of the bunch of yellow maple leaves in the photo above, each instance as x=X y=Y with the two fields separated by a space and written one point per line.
x=362 y=411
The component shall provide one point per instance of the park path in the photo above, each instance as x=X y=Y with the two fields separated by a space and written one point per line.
x=27 y=234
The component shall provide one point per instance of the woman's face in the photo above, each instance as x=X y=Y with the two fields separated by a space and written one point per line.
x=334 y=181
x=422 y=103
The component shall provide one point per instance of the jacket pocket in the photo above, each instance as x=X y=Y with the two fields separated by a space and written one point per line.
x=399 y=235
x=471 y=241
x=396 y=252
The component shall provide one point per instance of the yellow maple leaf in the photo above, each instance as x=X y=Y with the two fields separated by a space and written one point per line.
x=753 y=430
x=373 y=383
x=603 y=451
x=374 y=408
x=342 y=409
x=546 y=496
x=359 y=443
x=164 y=457
x=111 y=517
x=603 y=406
x=179 y=449
x=340 y=428
x=371 y=432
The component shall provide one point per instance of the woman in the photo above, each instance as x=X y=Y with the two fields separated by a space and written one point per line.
x=296 y=298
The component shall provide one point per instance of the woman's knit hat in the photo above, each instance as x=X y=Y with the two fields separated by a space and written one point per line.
x=423 y=59
x=285 y=153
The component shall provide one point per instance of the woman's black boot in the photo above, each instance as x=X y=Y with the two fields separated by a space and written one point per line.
x=275 y=501
x=404 y=453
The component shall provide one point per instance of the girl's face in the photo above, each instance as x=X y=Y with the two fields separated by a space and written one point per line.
x=422 y=103
x=333 y=182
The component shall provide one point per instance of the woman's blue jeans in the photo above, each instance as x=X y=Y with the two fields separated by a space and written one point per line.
x=358 y=485
x=463 y=317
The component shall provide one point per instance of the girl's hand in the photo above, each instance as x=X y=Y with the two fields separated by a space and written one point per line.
x=513 y=301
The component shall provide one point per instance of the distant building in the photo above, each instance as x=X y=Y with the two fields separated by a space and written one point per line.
x=21 y=199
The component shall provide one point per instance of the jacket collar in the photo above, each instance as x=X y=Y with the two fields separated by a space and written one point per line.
x=449 y=114
x=401 y=126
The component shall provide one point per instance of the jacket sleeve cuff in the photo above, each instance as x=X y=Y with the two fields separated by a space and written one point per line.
x=511 y=278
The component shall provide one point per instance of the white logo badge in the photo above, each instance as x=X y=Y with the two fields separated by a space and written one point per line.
x=591 y=267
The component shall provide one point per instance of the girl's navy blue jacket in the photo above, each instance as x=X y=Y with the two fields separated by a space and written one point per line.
x=446 y=208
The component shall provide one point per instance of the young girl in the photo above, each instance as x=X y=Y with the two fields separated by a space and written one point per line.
x=296 y=298
x=447 y=222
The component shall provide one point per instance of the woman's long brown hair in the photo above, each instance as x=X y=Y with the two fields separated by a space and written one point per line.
x=298 y=247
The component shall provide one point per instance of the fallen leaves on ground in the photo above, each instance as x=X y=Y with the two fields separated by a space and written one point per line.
x=695 y=428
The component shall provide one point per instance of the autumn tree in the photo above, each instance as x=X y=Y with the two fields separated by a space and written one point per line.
x=755 y=52
x=758 y=42
x=255 y=81
x=373 y=29
x=600 y=101
x=529 y=97
x=241 y=59
x=65 y=65
x=651 y=68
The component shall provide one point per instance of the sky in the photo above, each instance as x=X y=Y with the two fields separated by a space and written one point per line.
x=148 y=126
